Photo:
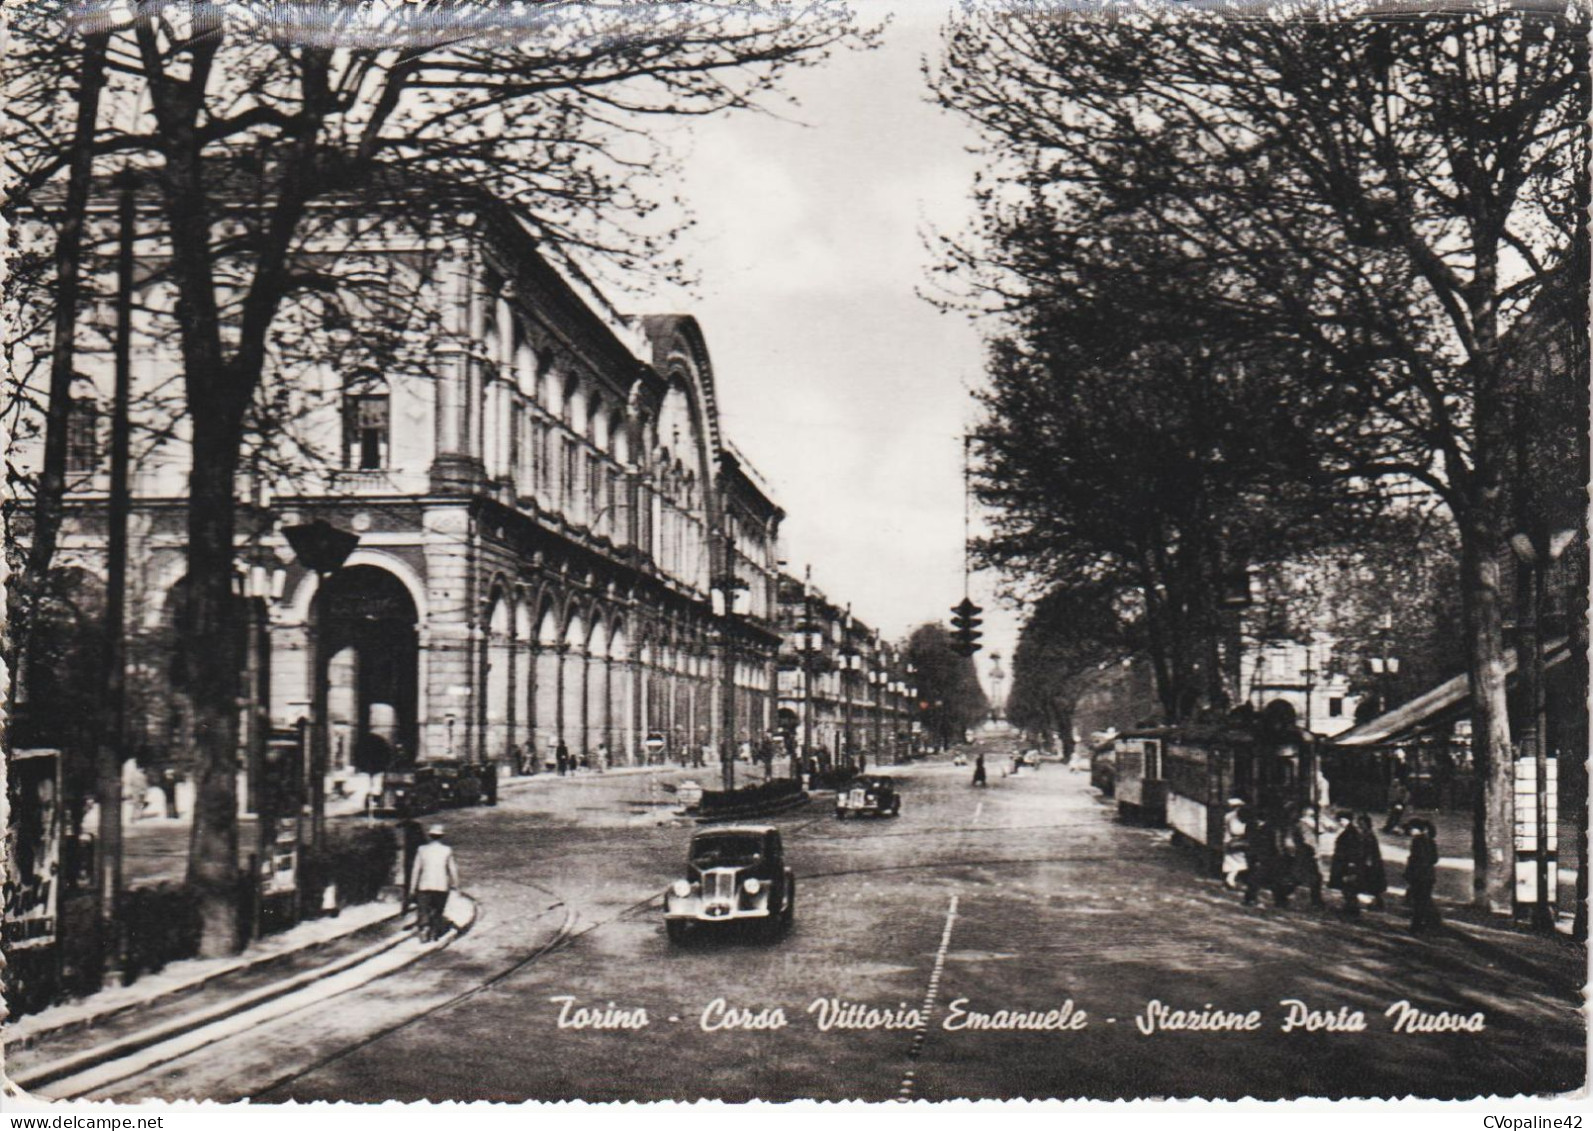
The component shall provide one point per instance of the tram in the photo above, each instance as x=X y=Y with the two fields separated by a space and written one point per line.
x=1184 y=776
x=1141 y=785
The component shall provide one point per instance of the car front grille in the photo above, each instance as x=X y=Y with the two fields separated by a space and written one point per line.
x=719 y=890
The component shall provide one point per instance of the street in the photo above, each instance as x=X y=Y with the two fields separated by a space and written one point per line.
x=1027 y=896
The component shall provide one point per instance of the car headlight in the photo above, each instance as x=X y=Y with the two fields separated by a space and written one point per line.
x=752 y=886
x=681 y=888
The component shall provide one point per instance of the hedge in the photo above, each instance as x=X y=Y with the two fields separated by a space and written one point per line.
x=162 y=925
x=358 y=859
x=833 y=778
x=748 y=797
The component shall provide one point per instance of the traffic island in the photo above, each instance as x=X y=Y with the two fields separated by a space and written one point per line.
x=762 y=800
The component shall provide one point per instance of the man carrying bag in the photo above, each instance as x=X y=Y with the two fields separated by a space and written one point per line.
x=433 y=876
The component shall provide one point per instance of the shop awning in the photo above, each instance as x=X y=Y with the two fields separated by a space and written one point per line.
x=1430 y=705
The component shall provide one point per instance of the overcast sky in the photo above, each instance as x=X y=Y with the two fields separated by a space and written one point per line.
x=848 y=392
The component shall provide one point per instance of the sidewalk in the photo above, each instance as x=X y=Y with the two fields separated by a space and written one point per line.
x=125 y=1030
x=1455 y=866
x=62 y=1025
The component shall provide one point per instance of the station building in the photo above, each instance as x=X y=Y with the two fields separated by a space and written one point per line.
x=550 y=520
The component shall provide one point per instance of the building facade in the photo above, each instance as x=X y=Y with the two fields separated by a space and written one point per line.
x=845 y=693
x=557 y=546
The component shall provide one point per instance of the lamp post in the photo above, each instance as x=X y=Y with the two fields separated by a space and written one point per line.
x=321 y=547
x=851 y=664
x=878 y=678
x=1533 y=553
x=113 y=736
x=728 y=590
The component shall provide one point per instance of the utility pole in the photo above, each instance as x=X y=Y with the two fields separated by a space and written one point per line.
x=118 y=505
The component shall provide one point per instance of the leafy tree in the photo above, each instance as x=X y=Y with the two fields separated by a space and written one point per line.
x=1149 y=472
x=1068 y=637
x=276 y=141
x=947 y=682
x=1391 y=192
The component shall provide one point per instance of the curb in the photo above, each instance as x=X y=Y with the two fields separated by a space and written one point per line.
x=149 y=1040
x=245 y=964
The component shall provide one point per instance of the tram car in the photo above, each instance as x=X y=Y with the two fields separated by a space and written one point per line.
x=1140 y=785
x=1271 y=768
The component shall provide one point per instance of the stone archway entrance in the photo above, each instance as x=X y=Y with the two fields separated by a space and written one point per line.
x=371 y=646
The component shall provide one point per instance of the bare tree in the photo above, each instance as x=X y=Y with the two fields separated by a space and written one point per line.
x=262 y=129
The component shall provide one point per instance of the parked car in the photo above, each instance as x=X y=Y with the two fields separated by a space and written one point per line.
x=1032 y=758
x=409 y=792
x=960 y=760
x=734 y=873
x=465 y=783
x=869 y=794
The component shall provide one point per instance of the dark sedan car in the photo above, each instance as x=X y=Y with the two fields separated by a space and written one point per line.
x=733 y=873
x=868 y=794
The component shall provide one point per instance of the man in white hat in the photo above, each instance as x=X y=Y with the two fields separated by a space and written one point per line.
x=433 y=876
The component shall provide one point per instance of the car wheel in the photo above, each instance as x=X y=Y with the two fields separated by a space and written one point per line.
x=676 y=930
x=896 y=807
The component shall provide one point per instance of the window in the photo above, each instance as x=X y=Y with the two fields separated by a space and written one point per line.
x=83 y=436
x=568 y=484
x=1335 y=707
x=366 y=418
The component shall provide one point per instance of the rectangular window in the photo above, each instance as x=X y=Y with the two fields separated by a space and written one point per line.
x=569 y=485
x=1335 y=707
x=367 y=441
x=83 y=436
x=611 y=524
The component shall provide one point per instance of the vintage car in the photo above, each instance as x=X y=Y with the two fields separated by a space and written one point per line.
x=409 y=792
x=959 y=760
x=1031 y=758
x=734 y=873
x=868 y=794
x=465 y=783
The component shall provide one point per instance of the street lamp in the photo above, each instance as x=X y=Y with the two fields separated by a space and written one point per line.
x=851 y=665
x=879 y=679
x=323 y=548
x=809 y=643
x=730 y=597
x=1533 y=553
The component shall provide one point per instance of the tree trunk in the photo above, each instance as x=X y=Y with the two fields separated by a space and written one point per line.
x=211 y=634
x=1493 y=818
x=63 y=353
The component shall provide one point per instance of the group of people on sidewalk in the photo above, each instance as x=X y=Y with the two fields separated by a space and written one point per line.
x=1281 y=852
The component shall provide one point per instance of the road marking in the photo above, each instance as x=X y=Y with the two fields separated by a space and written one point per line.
x=921 y=1031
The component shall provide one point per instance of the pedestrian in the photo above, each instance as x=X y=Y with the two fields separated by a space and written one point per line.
x=979 y=771
x=516 y=760
x=168 y=791
x=1303 y=848
x=1265 y=865
x=1421 y=875
x=602 y=756
x=1374 y=879
x=435 y=875
x=1233 y=843
x=1398 y=799
x=562 y=755
x=1348 y=859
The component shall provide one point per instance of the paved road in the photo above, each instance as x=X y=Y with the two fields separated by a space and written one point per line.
x=1026 y=896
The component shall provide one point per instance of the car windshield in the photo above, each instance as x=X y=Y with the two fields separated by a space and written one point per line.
x=725 y=849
